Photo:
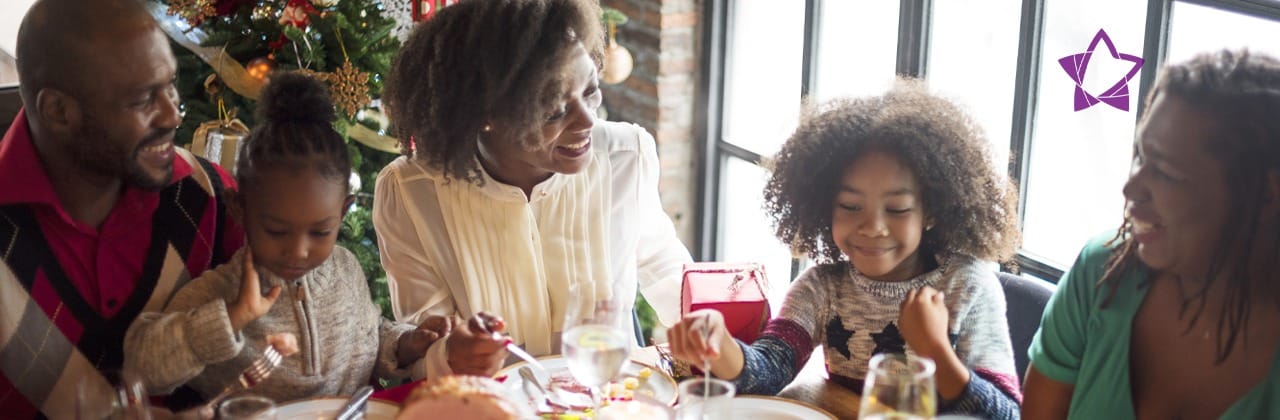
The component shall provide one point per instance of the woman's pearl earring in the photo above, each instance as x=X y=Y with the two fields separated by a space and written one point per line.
x=487 y=128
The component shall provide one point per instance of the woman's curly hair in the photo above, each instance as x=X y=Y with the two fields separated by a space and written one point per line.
x=479 y=63
x=974 y=210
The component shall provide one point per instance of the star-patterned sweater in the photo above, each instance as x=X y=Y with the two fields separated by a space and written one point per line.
x=855 y=317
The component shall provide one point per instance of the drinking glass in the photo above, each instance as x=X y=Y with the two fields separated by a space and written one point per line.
x=247 y=407
x=899 y=387
x=639 y=408
x=594 y=343
x=705 y=399
x=113 y=395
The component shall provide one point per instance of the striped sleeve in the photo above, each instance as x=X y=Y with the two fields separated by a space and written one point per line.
x=982 y=397
x=773 y=361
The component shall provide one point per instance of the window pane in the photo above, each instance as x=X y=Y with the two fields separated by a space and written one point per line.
x=1195 y=29
x=747 y=231
x=857 y=47
x=11 y=13
x=976 y=64
x=1080 y=160
x=762 y=73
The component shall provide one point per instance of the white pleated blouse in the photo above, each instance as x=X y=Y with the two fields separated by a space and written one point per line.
x=451 y=247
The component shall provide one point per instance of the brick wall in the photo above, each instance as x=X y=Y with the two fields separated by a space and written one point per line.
x=662 y=36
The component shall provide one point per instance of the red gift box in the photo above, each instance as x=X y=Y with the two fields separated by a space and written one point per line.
x=734 y=289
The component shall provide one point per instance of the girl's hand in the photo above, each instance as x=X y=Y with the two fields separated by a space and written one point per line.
x=250 y=305
x=923 y=322
x=701 y=337
x=285 y=343
x=478 y=348
x=414 y=344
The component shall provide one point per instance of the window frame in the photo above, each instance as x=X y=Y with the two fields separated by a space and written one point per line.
x=914 y=32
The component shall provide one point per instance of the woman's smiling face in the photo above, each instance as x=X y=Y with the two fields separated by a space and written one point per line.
x=565 y=136
x=1177 y=192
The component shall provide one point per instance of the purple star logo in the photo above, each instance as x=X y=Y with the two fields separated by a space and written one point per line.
x=1118 y=95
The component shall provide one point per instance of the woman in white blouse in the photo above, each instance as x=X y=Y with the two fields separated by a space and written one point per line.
x=511 y=189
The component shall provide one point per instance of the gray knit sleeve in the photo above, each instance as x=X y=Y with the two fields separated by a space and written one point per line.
x=983 y=343
x=168 y=349
x=985 y=347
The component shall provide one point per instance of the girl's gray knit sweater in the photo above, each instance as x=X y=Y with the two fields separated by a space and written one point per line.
x=344 y=339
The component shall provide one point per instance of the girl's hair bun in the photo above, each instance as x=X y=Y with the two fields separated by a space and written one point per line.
x=292 y=97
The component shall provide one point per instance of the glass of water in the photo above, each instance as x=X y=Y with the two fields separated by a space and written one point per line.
x=899 y=387
x=705 y=399
x=594 y=342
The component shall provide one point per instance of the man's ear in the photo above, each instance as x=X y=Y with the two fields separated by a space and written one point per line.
x=346 y=204
x=58 y=112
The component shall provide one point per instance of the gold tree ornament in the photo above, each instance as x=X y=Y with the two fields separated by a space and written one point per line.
x=349 y=88
x=219 y=140
x=194 y=11
x=321 y=76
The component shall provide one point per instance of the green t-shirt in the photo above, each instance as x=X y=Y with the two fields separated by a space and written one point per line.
x=1080 y=343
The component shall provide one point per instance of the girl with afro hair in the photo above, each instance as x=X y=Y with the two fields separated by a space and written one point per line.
x=896 y=198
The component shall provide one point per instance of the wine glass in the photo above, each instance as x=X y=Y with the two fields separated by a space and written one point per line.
x=899 y=387
x=113 y=395
x=594 y=343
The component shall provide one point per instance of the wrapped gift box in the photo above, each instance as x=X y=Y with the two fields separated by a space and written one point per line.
x=734 y=289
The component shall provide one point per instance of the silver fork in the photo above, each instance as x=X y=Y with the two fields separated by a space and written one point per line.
x=255 y=373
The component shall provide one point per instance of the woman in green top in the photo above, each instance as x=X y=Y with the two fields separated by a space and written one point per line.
x=1178 y=315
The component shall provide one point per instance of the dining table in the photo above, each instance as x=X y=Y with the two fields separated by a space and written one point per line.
x=810 y=386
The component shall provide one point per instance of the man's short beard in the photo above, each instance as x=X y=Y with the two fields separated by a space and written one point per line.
x=138 y=179
x=107 y=158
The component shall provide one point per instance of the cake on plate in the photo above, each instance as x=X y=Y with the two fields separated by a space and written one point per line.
x=462 y=397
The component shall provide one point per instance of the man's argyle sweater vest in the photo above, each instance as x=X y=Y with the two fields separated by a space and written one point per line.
x=51 y=340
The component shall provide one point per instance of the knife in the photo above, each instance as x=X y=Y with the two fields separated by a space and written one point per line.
x=356 y=405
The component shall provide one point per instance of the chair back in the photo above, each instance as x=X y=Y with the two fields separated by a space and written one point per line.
x=1025 y=299
x=10 y=103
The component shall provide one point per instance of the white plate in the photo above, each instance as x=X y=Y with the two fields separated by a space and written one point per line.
x=773 y=408
x=662 y=385
x=326 y=408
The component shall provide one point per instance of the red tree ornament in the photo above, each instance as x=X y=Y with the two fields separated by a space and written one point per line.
x=297 y=13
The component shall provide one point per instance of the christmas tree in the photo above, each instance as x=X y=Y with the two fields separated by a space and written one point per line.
x=225 y=49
